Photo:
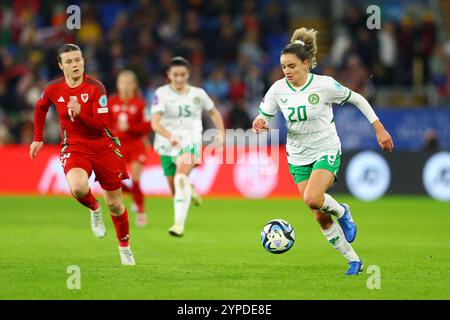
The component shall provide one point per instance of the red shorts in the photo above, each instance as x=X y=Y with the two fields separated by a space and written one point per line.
x=109 y=167
x=134 y=150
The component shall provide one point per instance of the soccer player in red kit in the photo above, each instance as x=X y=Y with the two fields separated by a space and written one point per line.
x=132 y=125
x=87 y=143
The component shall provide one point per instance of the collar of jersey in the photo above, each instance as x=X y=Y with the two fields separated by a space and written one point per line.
x=180 y=94
x=302 y=88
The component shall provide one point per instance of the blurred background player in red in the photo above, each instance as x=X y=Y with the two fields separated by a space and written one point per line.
x=132 y=124
x=88 y=143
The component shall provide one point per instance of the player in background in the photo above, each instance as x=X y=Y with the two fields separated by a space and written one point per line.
x=132 y=124
x=88 y=143
x=177 y=121
x=313 y=146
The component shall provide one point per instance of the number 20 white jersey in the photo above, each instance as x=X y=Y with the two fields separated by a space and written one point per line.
x=309 y=116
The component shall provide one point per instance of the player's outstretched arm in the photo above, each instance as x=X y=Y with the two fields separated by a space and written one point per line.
x=384 y=139
x=159 y=128
x=40 y=113
x=217 y=119
x=34 y=148
x=260 y=125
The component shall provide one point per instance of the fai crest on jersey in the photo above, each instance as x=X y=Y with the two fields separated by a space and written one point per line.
x=197 y=100
x=84 y=97
x=313 y=98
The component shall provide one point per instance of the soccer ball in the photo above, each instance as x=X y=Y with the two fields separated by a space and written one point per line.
x=277 y=236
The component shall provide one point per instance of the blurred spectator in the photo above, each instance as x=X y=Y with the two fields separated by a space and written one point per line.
x=406 y=39
x=439 y=65
x=431 y=141
x=356 y=77
x=388 y=52
x=233 y=46
x=217 y=85
x=238 y=117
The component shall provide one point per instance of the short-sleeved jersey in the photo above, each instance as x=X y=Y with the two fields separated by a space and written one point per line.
x=309 y=116
x=134 y=113
x=181 y=115
x=91 y=131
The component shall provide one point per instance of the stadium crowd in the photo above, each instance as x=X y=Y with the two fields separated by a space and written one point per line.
x=233 y=46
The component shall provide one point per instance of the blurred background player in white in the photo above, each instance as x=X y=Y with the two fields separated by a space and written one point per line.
x=132 y=124
x=313 y=146
x=177 y=121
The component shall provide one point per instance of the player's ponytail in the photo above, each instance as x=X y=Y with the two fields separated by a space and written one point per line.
x=303 y=45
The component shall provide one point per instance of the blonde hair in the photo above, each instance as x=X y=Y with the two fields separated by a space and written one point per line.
x=304 y=45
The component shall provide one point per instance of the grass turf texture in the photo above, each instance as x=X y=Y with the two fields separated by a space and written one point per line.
x=220 y=256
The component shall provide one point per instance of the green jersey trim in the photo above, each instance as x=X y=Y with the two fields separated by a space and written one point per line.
x=309 y=82
x=180 y=94
x=348 y=97
x=266 y=114
x=304 y=87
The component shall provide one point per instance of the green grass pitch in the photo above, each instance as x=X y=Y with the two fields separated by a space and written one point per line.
x=220 y=256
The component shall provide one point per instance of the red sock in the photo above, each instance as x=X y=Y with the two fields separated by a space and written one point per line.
x=122 y=228
x=89 y=201
x=125 y=188
x=138 y=196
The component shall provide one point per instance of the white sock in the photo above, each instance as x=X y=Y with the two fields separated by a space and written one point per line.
x=182 y=199
x=331 y=206
x=336 y=238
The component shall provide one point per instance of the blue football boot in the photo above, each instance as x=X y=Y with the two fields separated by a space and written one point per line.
x=355 y=268
x=347 y=224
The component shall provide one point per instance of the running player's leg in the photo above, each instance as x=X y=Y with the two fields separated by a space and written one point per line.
x=78 y=178
x=170 y=181
x=110 y=170
x=119 y=215
x=169 y=168
x=325 y=221
x=314 y=196
x=77 y=171
x=328 y=165
x=138 y=196
x=183 y=192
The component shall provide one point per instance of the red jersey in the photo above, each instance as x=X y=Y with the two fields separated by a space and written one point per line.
x=131 y=112
x=91 y=131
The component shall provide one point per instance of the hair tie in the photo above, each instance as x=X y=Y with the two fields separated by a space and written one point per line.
x=300 y=42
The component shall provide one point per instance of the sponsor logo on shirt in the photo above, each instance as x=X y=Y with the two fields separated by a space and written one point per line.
x=102 y=110
x=284 y=101
x=61 y=99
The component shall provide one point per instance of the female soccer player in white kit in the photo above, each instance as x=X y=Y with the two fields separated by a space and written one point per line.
x=177 y=121
x=313 y=146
